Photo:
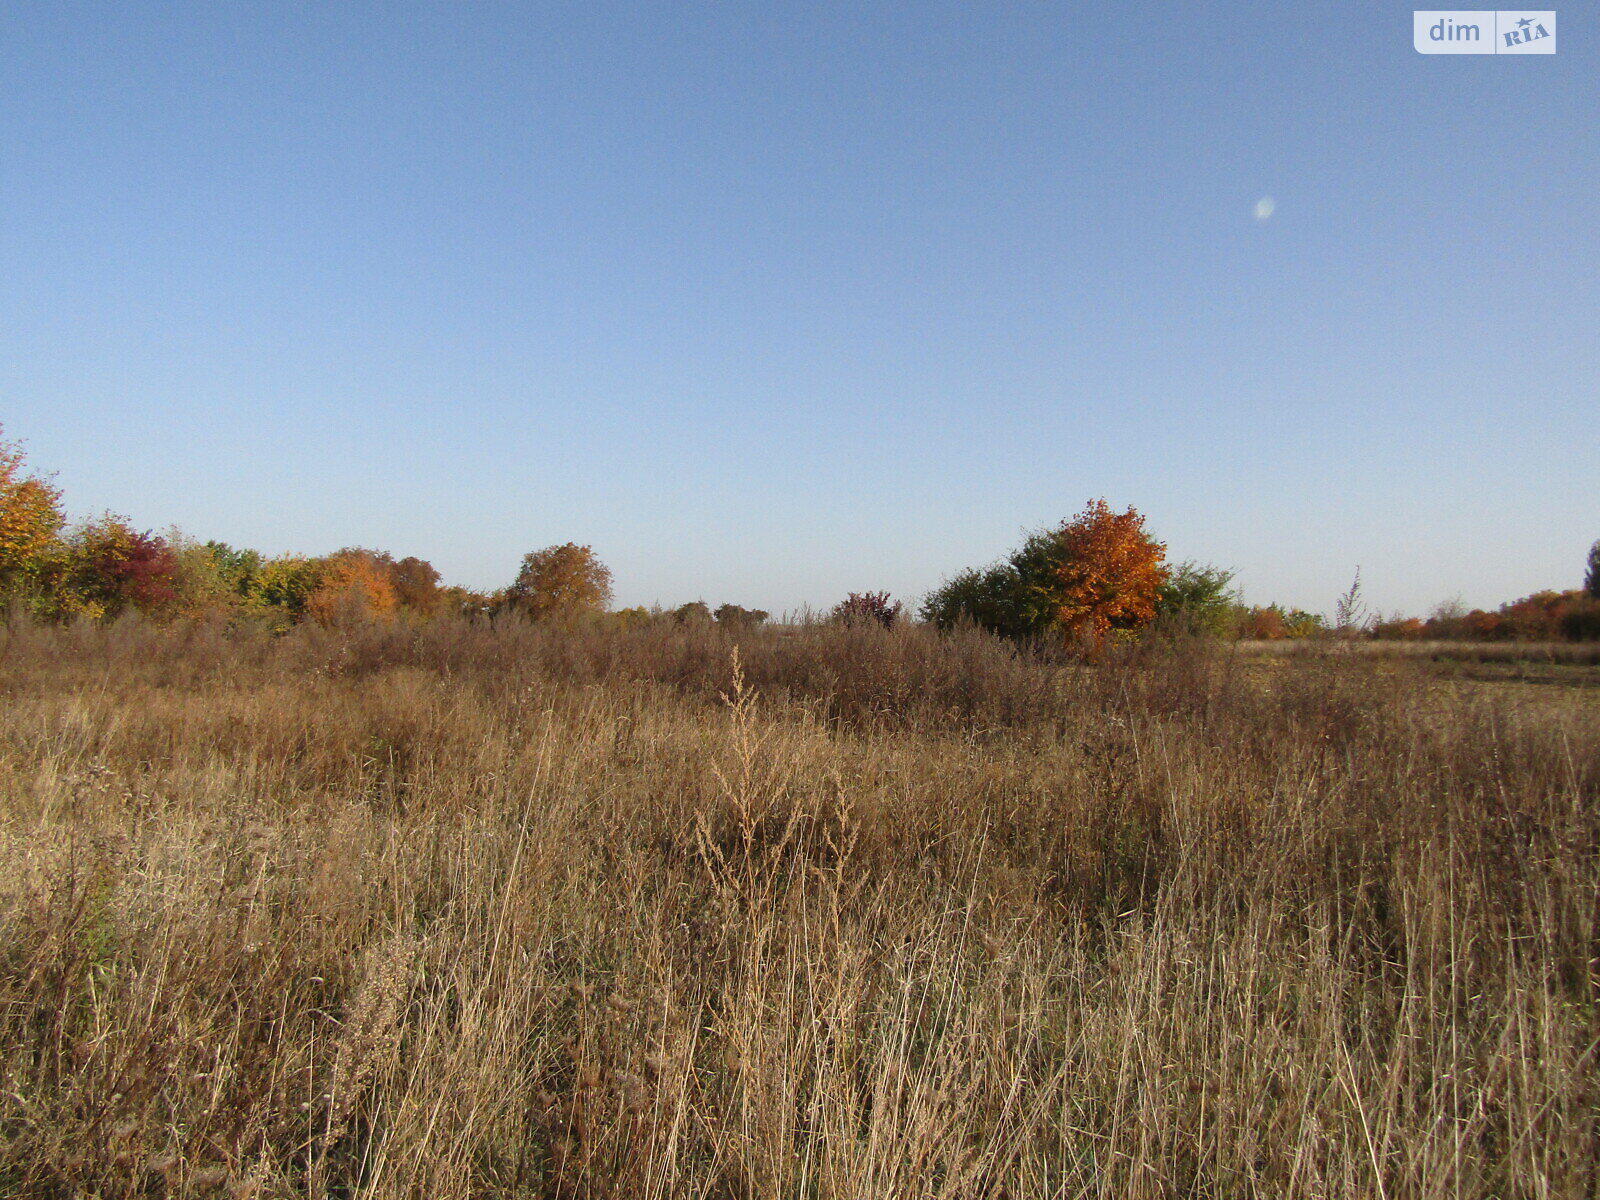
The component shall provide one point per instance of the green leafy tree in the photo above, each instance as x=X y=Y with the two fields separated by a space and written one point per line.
x=203 y=587
x=990 y=598
x=1018 y=597
x=560 y=582
x=464 y=602
x=1591 y=579
x=238 y=568
x=1198 y=599
x=1304 y=624
x=633 y=618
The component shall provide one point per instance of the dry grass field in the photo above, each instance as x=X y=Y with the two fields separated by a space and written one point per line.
x=460 y=911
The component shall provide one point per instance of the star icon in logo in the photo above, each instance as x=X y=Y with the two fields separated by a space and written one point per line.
x=1525 y=22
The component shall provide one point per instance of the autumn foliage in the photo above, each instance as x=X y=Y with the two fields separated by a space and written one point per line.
x=1273 y=622
x=1110 y=573
x=354 y=585
x=105 y=567
x=136 y=568
x=560 y=581
x=30 y=518
x=1546 y=616
x=1097 y=573
x=867 y=608
x=416 y=585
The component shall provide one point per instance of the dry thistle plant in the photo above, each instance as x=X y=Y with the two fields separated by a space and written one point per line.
x=371 y=1031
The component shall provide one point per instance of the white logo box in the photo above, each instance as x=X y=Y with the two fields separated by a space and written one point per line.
x=1483 y=31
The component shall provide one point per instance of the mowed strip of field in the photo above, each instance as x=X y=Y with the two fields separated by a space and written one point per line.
x=1541 y=675
x=1575 y=654
x=468 y=910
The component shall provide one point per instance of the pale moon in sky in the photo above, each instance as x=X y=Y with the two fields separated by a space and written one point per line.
x=1265 y=207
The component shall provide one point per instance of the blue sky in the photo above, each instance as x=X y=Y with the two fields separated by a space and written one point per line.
x=769 y=302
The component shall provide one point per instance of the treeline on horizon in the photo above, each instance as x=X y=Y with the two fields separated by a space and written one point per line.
x=1098 y=576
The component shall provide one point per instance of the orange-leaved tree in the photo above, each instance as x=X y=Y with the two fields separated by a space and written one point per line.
x=30 y=520
x=560 y=581
x=353 y=584
x=1109 y=572
x=1098 y=573
x=416 y=585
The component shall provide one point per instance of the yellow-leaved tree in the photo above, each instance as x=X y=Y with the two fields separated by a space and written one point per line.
x=30 y=520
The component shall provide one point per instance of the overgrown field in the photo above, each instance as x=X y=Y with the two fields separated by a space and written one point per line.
x=462 y=910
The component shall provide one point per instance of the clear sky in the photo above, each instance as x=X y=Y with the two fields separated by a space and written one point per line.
x=773 y=301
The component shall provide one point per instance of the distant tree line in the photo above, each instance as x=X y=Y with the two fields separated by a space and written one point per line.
x=104 y=566
x=1570 y=616
x=1098 y=577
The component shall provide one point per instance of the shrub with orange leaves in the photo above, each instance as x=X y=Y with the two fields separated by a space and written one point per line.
x=1109 y=572
x=353 y=585
x=1263 y=624
x=1541 y=617
x=1271 y=622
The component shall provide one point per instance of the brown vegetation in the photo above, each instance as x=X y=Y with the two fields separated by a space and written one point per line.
x=561 y=582
x=467 y=909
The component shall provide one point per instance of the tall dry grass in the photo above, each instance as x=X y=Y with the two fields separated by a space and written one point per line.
x=464 y=910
